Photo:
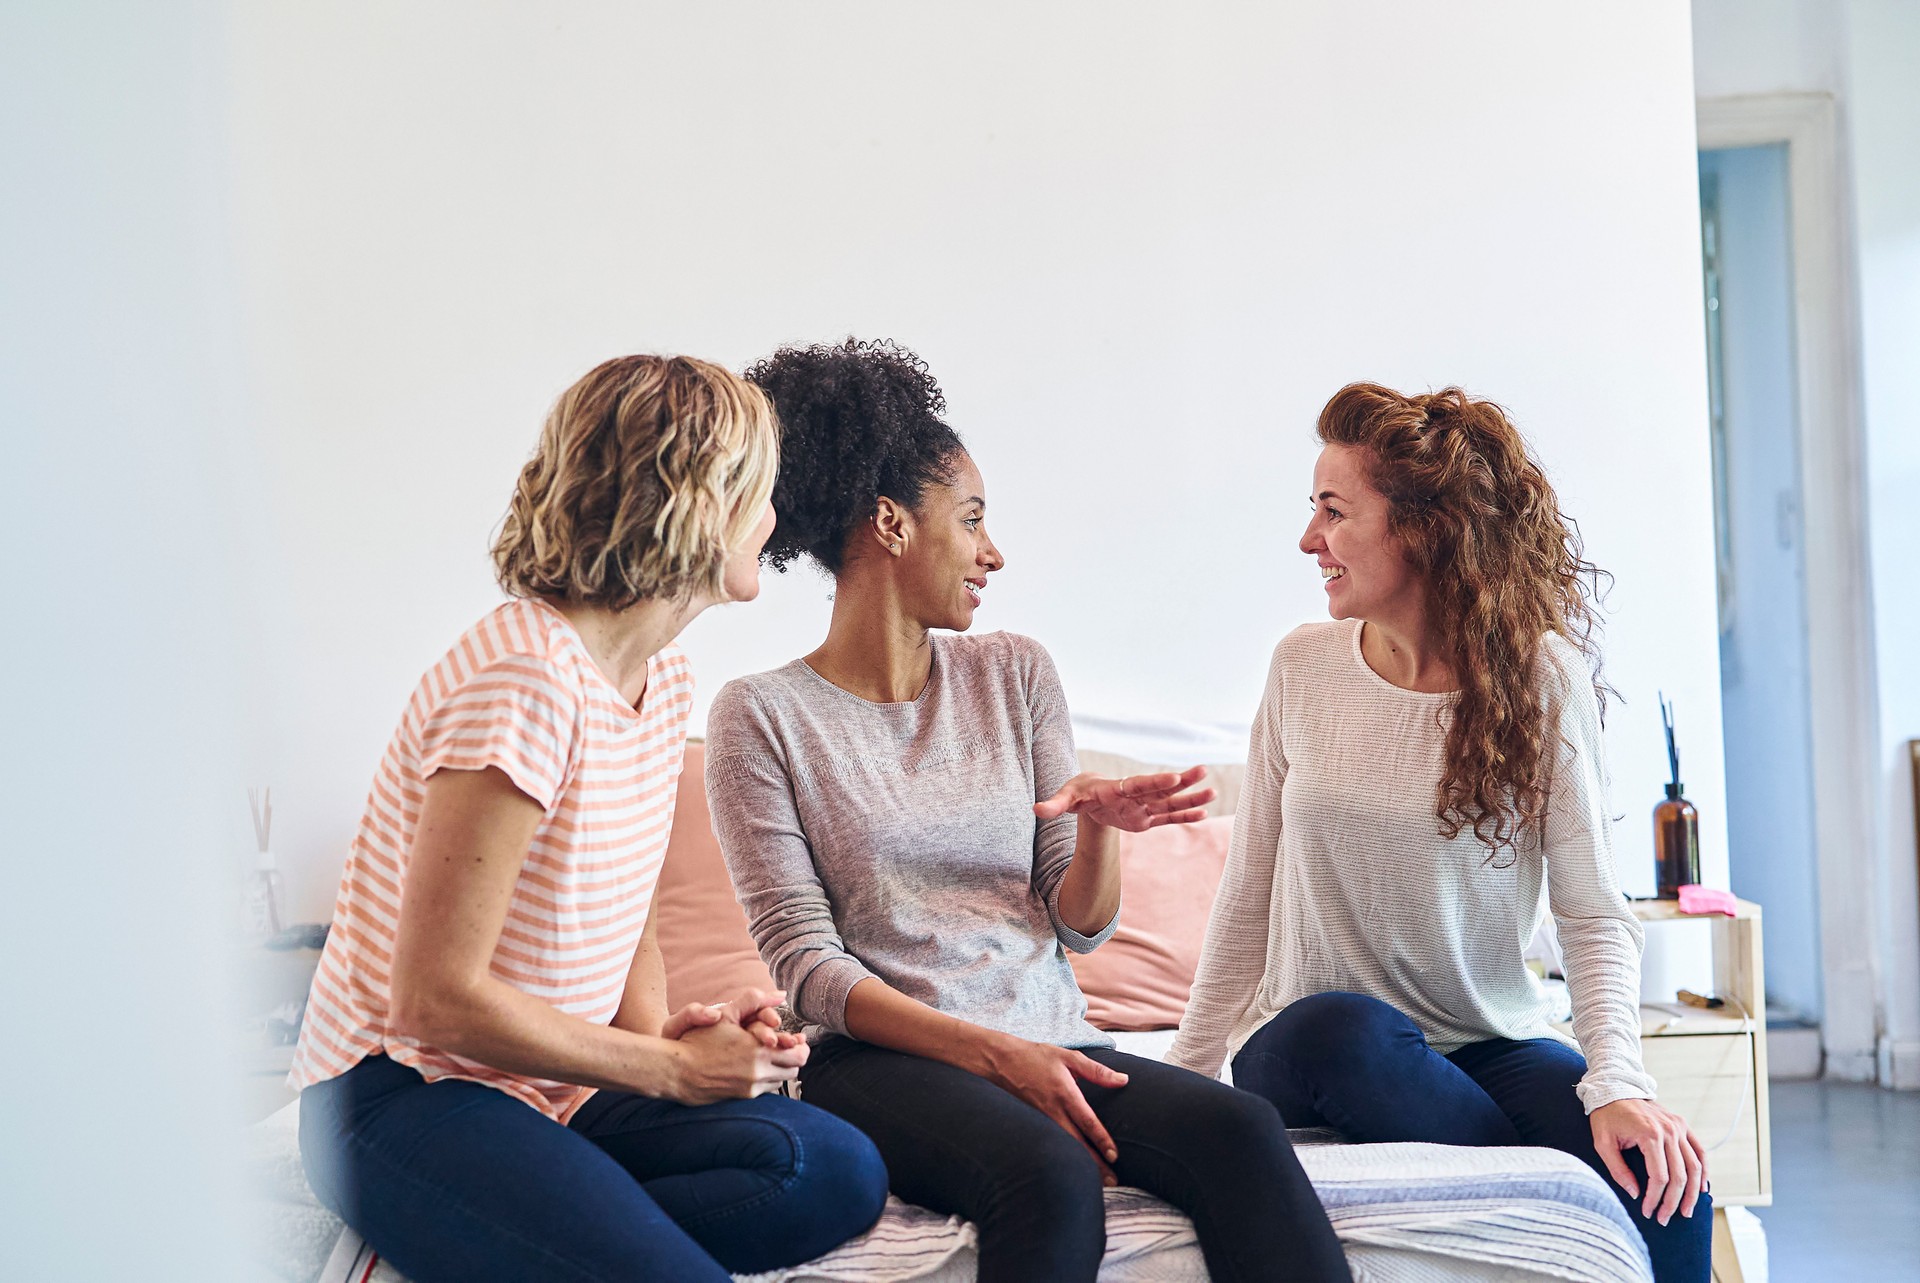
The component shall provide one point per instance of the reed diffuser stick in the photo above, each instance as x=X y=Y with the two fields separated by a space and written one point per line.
x=1673 y=752
x=263 y=882
x=260 y=806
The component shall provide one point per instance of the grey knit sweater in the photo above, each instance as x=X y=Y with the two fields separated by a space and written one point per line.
x=898 y=840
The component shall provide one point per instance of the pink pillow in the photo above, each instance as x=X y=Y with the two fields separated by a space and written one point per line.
x=703 y=930
x=1140 y=978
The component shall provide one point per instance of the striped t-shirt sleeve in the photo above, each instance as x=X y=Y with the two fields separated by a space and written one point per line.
x=509 y=713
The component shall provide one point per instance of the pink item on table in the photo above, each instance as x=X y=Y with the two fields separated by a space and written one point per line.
x=1699 y=899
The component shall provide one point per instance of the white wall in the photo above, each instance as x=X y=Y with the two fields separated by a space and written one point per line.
x=1139 y=244
x=122 y=646
x=1863 y=52
x=1884 y=48
x=1765 y=46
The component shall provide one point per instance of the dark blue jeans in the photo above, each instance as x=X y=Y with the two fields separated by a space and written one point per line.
x=452 y=1180
x=1357 y=1065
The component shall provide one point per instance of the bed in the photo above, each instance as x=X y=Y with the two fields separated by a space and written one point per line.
x=1405 y=1213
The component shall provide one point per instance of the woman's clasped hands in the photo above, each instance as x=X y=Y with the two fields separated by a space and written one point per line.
x=732 y=1050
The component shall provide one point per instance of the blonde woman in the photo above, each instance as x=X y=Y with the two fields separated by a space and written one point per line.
x=491 y=1086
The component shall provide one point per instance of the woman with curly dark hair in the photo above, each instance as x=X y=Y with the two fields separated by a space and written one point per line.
x=1417 y=771
x=906 y=828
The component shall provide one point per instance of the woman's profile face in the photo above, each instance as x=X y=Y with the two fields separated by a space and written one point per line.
x=740 y=581
x=947 y=554
x=1363 y=566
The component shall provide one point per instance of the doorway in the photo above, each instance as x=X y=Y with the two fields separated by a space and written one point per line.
x=1837 y=607
x=1754 y=405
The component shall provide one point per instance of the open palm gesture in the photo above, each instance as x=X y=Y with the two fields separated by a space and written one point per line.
x=1136 y=803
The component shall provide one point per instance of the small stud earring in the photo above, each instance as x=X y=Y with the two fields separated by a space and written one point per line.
x=895 y=547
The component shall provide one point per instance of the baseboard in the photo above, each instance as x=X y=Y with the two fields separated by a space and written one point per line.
x=1899 y=1064
x=1853 y=1066
x=1793 y=1052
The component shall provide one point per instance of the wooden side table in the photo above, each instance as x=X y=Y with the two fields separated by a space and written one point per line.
x=1711 y=1067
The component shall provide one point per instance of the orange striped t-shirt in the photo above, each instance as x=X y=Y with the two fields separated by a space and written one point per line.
x=518 y=692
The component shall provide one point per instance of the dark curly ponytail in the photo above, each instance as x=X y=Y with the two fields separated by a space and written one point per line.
x=858 y=420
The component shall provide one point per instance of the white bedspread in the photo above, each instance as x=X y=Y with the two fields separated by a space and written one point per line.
x=1405 y=1213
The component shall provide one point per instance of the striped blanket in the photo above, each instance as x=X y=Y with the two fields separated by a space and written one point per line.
x=1405 y=1213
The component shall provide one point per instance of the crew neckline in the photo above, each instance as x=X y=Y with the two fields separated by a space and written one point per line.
x=595 y=673
x=933 y=675
x=1360 y=661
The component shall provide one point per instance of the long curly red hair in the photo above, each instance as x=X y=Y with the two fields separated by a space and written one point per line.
x=1503 y=567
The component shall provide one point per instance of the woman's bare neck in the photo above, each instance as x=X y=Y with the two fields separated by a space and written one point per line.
x=621 y=642
x=1405 y=653
x=873 y=649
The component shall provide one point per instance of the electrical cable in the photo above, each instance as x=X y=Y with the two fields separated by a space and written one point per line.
x=1746 y=1083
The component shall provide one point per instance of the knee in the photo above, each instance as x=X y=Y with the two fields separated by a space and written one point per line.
x=856 y=1175
x=1231 y=1120
x=1238 y=1135
x=1342 y=1027
x=839 y=1178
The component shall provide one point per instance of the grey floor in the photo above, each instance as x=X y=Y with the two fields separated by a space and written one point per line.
x=1846 y=1184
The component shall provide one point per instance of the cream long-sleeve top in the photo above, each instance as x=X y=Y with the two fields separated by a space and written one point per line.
x=1338 y=879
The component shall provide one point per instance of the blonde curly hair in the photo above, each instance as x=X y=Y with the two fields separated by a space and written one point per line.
x=650 y=472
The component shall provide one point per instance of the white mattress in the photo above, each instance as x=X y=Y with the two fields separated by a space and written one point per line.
x=1404 y=1213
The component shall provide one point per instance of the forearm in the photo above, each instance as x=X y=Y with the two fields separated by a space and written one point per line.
x=1090 y=891
x=643 y=1006
x=496 y=1024
x=882 y=1015
x=1232 y=961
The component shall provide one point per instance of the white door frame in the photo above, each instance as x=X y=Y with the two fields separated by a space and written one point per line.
x=1840 y=656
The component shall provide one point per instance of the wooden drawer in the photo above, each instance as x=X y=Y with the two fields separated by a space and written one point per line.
x=1709 y=1080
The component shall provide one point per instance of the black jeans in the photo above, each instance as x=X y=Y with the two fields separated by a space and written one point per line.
x=1358 y=1065
x=958 y=1144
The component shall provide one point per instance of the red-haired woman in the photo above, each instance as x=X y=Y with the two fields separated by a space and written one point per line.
x=1418 y=769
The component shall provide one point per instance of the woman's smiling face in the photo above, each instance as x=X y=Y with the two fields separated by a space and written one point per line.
x=947 y=554
x=1364 y=566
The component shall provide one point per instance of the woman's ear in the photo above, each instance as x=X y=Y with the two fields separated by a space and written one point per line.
x=890 y=522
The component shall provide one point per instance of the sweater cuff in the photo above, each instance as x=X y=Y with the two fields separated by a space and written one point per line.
x=1183 y=1056
x=1073 y=939
x=821 y=998
x=1598 y=1088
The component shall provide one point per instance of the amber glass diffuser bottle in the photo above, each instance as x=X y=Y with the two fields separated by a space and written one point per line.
x=1676 y=825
